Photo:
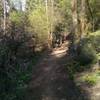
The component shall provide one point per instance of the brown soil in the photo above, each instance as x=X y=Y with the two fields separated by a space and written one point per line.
x=50 y=80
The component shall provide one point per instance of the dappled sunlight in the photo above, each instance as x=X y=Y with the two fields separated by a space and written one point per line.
x=52 y=82
x=60 y=52
x=49 y=50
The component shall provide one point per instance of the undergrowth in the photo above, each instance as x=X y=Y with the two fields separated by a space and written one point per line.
x=13 y=84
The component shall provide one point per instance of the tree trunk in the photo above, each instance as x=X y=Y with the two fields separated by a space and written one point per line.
x=83 y=18
x=75 y=23
x=4 y=15
x=52 y=16
x=48 y=30
x=91 y=13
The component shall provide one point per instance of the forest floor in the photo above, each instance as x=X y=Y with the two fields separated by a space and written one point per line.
x=50 y=80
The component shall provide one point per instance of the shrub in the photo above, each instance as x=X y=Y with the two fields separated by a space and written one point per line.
x=86 y=52
x=95 y=39
x=14 y=69
x=90 y=79
x=89 y=48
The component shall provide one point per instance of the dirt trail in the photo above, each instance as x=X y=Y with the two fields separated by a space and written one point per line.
x=50 y=80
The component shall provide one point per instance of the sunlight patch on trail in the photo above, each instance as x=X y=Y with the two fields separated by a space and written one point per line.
x=60 y=52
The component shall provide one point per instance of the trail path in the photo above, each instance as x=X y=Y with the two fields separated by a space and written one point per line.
x=50 y=80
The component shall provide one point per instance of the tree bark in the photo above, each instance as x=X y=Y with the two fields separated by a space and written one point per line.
x=52 y=20
x=75 y=23
x=48 y=29
x=91 y=13
x=4 y=15
x=83 y=18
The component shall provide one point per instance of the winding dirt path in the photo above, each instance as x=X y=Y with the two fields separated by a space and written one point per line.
x=50 y=80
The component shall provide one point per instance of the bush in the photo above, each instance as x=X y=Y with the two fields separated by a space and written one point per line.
x=89 y=49
x=86 y=52
x=95 y=39
x=90 y=79
x=15 y=68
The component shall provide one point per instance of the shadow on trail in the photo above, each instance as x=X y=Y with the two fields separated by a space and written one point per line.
x=50 y=81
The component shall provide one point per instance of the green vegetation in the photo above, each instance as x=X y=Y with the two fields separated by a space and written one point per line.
x=89 y=48
x=29 y=27
x=15 y=78
x=88 y=53
x=91 y=78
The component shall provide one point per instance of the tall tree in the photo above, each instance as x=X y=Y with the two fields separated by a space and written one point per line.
x=49 y=31
x=75 y=23
x=83 y=18
x=52 y=15
x=92 y=19
x=1 y=14
x=4 y=15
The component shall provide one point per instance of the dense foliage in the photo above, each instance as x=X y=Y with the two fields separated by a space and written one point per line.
x=27 y=28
